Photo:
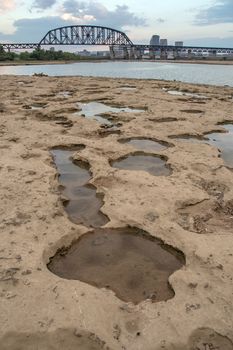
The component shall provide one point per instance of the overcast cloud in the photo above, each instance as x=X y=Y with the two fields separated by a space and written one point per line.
x=220 y=12
x=72 y=12
x=33 y=29
x=6 y=5
x=43 y=4
x=100 y=14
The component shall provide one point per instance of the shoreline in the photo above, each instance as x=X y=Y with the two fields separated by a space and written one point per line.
x=41 y=63
x=210 y=62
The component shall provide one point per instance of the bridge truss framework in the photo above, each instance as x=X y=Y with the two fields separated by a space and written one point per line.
x=116 y=40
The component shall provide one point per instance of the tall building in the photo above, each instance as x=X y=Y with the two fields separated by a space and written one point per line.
x=163 y=42
x=179 y=43
x=154 y=40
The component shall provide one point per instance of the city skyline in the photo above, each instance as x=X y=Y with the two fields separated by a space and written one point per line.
x=209 y=23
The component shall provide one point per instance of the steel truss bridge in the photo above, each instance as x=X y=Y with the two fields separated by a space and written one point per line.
x=115 y=39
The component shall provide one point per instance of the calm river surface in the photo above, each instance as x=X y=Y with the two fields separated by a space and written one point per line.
x=191 y=73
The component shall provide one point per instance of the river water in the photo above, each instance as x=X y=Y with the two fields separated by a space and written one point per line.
x=191 y=73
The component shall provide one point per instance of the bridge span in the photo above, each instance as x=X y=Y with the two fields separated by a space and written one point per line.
x=115 y=39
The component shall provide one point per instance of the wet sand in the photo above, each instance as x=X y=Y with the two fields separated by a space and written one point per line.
x=190 y=210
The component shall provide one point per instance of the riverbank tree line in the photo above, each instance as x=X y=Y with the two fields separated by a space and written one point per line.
x=42 y=55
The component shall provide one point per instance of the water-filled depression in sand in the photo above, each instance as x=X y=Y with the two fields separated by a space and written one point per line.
x=153 y=164
x=145 y=144
x=96 y=111
x=128 y=261
x=222 y=140
x=82 y=205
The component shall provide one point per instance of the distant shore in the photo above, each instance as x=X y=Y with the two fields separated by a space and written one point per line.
x=32 y=63
x=214 y=62
x=42 y=63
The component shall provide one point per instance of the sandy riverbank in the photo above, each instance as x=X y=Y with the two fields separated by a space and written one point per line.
x=190 y=210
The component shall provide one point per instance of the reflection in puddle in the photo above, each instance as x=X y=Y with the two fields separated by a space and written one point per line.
x=128 y=261
x=96 y=110
x=145 y=144
x=224 y=142
x=83 y=206
x=153 y=164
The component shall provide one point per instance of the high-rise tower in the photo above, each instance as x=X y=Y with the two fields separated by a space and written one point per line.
x=155 y=40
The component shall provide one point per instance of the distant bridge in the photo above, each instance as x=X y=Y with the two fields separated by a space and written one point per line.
x=77 y=35
x=115 y=39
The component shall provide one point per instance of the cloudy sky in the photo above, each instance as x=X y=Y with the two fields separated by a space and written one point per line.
x=207 y=22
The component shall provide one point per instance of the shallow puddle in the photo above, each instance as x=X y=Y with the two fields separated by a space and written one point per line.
x=153 y=164
x=83 y=205
x=128 y=261
x=189 y=138
x=224 y=142
x=35 y=106
x=65 y=94
x=128 y=88
x=189 y=94
x=144 y=144
x=96 y=111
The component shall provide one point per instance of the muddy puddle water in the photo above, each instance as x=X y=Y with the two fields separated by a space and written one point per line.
x=153 y=164
x=96 y=111
x=128 y=88
x=127 y=261
x=83 y=205
x=224 y=142
x=64 y=94
x=144 y=144
x=35 y=106
x=183 y=93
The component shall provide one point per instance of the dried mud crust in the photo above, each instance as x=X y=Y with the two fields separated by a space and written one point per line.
x=40 y=308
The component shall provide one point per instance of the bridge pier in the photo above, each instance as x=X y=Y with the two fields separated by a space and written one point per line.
x=112 y=52
x=125 y=53
x=214 y=53
x=137 y=52
x=163 y=55
x=152 y=53
x=176 y=54
x=190 y=54
x=131 y=53
x=121 y=52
